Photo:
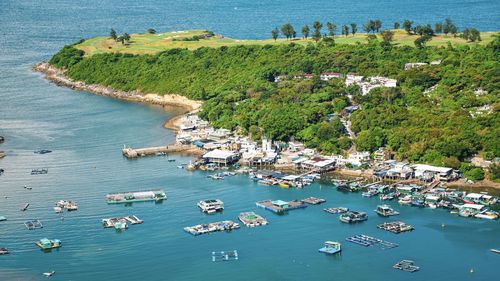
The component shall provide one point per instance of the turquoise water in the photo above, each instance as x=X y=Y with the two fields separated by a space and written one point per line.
x=86 y=133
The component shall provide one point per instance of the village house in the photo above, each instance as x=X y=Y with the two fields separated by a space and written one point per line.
x=358 y=158
x=429 y=173
x=325 y=76
x=412 y=65
x=353 y=78
x=381 y=155
x=220 y=157
x=295 y=146
x=318 y=163
x=219 y=134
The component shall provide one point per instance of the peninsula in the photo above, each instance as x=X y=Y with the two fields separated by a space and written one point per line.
x=436 y=103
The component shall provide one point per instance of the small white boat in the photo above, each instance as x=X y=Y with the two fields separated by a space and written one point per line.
x=58 y=209
x=48 y=274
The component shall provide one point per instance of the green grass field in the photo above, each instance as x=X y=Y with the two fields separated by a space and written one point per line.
x=153 y=43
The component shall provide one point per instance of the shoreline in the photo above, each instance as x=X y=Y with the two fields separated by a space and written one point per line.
x=57 y=76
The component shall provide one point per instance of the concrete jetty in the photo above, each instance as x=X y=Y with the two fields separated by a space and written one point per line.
x=137 y=152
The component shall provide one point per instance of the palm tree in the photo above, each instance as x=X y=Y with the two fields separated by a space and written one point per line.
x=331 y=28
x=305 y=31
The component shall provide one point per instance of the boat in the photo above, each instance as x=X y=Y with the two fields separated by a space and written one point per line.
x=406 y=265
x=136 y=196
x=386 y=211
x=171 y=160
x=4 y=251
x=68 y=205
x=42 y=151
x=331 y=248
x=388 y=196
x=47 y=244
x=58 y=209
x=48 y=274
x=492 y=250
x=486 y=214
x=25 y=207
x=406 y=200
x=284 y=185
x=353 y=217
x=369 y=193
x=225 y=256
x=211 y=206
x=2 y=218
x=215 y=177
x=417 y=202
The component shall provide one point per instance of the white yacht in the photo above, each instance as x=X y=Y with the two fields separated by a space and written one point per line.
x=211 y=206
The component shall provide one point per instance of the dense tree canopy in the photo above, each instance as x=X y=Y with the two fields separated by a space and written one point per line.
x=438 y=113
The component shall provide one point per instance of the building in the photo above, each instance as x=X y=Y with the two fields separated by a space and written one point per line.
x=219 y=134
x=325 y=76
x=401 y=171
x=353 y=78
x=358 y=158
x=381 y=155
x=221 y=157
x=295 y=146
x=318 y=164
x=430 y=173
x=412 y=65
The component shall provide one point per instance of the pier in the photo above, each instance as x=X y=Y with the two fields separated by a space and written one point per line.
x=131 y=153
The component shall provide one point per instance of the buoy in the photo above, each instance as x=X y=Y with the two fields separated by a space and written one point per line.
x=442 y=225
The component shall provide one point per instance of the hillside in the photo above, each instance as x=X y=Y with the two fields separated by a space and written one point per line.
x=152 y=43
x=439 y=114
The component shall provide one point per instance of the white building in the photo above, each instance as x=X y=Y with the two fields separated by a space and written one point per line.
x=358 y=158
x=428 y=172
x=221 y=157
x=325 y=76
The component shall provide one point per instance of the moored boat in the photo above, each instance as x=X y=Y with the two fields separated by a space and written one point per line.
x=353 y=217
x=136 y=196
x=331 y=248
x=211 y=206
x=386 y=211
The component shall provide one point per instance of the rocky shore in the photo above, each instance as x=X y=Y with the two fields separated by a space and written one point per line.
x=57 y=76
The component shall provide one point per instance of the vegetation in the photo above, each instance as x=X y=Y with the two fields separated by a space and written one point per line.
x=237 y=85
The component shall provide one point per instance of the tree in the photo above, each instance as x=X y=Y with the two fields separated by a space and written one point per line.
x=345 y=30
x=449 y=27
x=387 y=35
x=317 y=30
x=331 y=28
x=421 y=41
x=305 y=31
x=287 y=30
x=424 y=30
x=396 y=25
x=466 y=34
x=275 y=33
x=151 y=31
x=120 y=39
x=112 y=34
x=407 y=26
x=438 y=28
x=126 y=37
x=354 y=28
x=377 y=25
x=475 y=35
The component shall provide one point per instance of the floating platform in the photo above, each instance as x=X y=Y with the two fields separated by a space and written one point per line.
x=337 y=210
x=367 y=241
x=121 y=223
x=136 y=196
x=33 y=224
x=406 y=265
x=280 y=206
x=251 y=219
x=396 y=227
x=225 y=256
x=47 y=244
x=211 y=227
x=313 y=200
x=67 y=204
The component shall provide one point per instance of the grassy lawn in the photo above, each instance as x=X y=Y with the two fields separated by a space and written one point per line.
x=153 y=43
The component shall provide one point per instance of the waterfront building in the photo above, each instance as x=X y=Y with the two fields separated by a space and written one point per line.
x=429 y=173
x=218 y=156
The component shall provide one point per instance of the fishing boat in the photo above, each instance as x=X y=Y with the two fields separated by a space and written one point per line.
x=48 y=274
x=25 y=207
x=2 y=218
x=136 y=196
x=4 y=251
x=386 y=211
x=406 y=265
x=42 y=151
x=47 y=244
x=284 y=185
x=406 y=200
x=369 y=193
x=486 y=214
x=417 y=202
x=211 y=206
x=331 y=248
x=215 y=177
x=470 y=210
x=58 y=209
x=492 y=250
x=353 y=217
x=388 y=196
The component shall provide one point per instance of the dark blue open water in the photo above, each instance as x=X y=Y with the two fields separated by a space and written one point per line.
x=86 y=133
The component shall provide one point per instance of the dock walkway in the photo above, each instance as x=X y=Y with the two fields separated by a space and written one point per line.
x=137 y=152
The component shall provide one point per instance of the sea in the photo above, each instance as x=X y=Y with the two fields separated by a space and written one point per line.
x=87 y=132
